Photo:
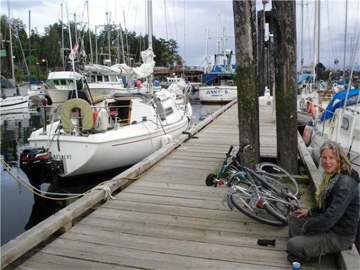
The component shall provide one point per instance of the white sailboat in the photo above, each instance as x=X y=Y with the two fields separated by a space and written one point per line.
x=117 y=132
x=340 y=122
x=10 y=98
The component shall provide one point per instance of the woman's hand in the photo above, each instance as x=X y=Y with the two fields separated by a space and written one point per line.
x=301 y=212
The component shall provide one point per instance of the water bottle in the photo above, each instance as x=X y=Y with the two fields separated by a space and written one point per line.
x=296 y=266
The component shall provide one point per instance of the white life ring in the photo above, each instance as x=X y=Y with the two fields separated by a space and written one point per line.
x=308 y=130
x=76 y=103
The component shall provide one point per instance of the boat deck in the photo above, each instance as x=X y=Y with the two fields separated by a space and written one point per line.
x=169 y=218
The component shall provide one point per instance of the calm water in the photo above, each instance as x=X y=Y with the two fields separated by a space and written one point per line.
x=18 y=210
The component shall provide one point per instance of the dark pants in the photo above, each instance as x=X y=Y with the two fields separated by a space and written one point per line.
x=313 y=245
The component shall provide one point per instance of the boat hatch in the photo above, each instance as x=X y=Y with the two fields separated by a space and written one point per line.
x=121 y=109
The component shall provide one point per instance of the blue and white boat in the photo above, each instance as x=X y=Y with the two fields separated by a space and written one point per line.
x=218 y=84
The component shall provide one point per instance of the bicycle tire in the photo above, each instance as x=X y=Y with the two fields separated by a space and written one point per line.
x=275 y=213
x=279 y=178
x=242 y=202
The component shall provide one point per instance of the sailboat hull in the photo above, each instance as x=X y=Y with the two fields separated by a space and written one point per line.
x=119 y=148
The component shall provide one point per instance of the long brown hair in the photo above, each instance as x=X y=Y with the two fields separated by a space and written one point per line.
x=339 y=155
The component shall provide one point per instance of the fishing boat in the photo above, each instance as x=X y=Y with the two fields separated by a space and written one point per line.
x=218 y=84
x=340 y=123
x=11 y=99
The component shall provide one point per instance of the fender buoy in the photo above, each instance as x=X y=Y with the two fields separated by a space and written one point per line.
x=95 y=115
x=231 y=83
x=76 y=103
x=307 y=134
x=310 y=106
x=165 y=139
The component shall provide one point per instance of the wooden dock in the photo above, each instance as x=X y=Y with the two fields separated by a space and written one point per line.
x=167 y=218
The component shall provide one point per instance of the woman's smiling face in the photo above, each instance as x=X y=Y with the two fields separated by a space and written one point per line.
x=328 y=161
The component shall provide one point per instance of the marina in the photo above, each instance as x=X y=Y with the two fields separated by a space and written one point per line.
x=167 y=217
x=119 y=166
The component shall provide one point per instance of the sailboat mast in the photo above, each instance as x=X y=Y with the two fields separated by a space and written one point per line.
x=150 y=33
x=316 y=38
x=29 y=47
x=11 y=46
x=73 y=58
x=302 y=36
x=62 y=38
x=150 y=23
x=89 y=31
x=345 y=37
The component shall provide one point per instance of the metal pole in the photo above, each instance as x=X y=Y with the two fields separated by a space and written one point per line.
x=11 y=46
x=29 y=48
x=150 y=31
x=345 y=37
x=90 y=43
x=96 y=47
x=62 y=39
x=108 y=24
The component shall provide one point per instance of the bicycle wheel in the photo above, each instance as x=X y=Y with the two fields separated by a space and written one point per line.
x=279 y=178
x=273 y=211
x=242 y=201
x=276 y=206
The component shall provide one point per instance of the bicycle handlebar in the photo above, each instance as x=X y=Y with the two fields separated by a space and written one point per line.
x=230 y=150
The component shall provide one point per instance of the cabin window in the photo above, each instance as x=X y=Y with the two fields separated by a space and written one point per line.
x=169 y=111
x=106 y=78
x=91 y=79
x=113 y=78
x=60 y=82
x=345 y=123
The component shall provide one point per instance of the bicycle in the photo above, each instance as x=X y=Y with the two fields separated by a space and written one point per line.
x=266 y=196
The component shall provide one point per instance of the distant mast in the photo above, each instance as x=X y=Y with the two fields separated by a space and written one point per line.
x=11 y=46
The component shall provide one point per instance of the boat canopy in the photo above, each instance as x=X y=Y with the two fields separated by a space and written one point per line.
x=209 y=78
x=338 y=101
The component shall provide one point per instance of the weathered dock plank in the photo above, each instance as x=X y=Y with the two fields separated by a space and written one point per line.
x=168 y=218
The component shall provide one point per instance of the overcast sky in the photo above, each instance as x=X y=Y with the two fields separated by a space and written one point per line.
x=187 y=20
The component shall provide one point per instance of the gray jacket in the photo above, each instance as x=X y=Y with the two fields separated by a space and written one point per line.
x=341 y=212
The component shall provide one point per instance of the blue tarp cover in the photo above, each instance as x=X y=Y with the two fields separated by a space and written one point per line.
x=338 y=101
x=304 y=77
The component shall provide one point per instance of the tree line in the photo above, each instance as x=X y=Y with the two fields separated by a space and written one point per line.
x=36 y=54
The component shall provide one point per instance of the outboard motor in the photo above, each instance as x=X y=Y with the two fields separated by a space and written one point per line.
x=39 y=166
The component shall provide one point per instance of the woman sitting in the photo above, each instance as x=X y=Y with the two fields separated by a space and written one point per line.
x=331 y=225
